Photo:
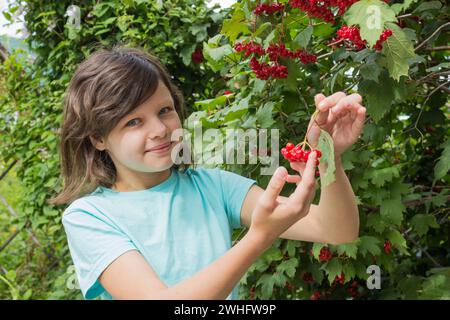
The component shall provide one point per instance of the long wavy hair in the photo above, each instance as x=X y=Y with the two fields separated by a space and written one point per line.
x=105 y=87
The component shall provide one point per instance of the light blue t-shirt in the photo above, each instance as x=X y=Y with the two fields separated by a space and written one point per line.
x=179 y=226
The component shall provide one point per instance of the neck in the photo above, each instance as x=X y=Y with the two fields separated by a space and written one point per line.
x=141 y=181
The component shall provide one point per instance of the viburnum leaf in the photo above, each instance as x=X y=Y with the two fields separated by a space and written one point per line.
x=326 y=146
x=443 y=165
x=369 y=244
x=397 y=49
x=233 y=27
x=332 y=268
x=422 y=222
x=370 y=16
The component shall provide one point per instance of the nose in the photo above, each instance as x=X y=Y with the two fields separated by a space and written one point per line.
x=158 y=129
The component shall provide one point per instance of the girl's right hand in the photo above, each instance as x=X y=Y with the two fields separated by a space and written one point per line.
x=273 y=215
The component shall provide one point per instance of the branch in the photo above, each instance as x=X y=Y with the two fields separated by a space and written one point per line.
x=440 y=48
x=432 y=35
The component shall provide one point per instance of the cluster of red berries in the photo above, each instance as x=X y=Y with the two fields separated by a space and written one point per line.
x=289 y=286
x=265 y=70
x=353 y=37
x=315 y=296
x=325 y=254
x=353 y=289
x=297 y=153
x=268 y=8
x=339 y=279
x=386 y=34
x=387 y=246
x=307 y=276
x=249 y=48
x=197 y=56
x=322 y=9
x=276 y=51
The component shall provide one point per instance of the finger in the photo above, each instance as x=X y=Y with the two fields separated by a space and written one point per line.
x=298 y=166
x=307 y=185
x=295 y=178
x=358 y=124
x=323 y=115
x=330 y=101
x=269 y=197
x=346 y=104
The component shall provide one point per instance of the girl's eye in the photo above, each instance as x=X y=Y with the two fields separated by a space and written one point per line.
x=168 y=109
x=130 y=123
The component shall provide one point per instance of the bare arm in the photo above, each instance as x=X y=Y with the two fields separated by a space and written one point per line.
x=131 y=277
x=334 y=220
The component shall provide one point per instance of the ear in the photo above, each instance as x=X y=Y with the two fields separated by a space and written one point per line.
x=98 y=143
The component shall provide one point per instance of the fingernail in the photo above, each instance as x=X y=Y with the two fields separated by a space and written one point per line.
x=322 y=104
x=313 y=155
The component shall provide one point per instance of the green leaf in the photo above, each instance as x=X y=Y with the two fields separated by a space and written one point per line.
x=370 y=16
x=423 y=222
x=326 y=146
x=186 y=54
x=378 y=104
x=349 y=271
x=350 y=249
x=332 y=268
x=443 y=164
x=369 y=244
x=317 y=246
x=398 y=49
x=370 y=71
x=399 y=7
x=392 y=210
x=289 y=267
x=267 y=281
x=428 y=5
x=264 y=115
x=381 y=176
x=233 y=27
x=303 y=38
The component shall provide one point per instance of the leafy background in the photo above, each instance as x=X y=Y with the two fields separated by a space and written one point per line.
x=398 y=169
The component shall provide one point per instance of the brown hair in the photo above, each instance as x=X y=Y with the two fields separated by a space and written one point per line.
x=107 y=86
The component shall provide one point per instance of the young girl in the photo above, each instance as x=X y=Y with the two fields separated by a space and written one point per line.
x=140 y=227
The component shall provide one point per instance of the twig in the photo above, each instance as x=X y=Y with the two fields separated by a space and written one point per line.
x=437 y=264
x=432 y=35
x=440 y=48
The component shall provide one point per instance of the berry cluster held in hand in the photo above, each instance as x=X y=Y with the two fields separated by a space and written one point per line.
x=297 y=153
x=268 y=8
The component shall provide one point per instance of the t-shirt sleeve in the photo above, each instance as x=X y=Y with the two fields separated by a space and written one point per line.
x=234 y=190
x=93 y=244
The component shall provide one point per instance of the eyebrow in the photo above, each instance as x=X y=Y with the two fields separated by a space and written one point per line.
x=163 y=104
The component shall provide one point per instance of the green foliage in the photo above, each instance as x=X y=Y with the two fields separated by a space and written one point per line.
x=31 y=96
x=399 y=167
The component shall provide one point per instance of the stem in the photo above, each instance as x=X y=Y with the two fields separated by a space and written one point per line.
x=307 y=131
x=432 y=35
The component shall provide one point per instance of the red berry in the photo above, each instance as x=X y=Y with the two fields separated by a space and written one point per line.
x=315 y=296
x=325 y=254
x=387 y=246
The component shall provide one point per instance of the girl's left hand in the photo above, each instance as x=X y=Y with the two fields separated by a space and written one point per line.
x=341 y=116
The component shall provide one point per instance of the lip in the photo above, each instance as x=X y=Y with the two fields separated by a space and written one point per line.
x=160 y=148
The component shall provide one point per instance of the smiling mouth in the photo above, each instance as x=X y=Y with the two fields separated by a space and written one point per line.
x=161 y=149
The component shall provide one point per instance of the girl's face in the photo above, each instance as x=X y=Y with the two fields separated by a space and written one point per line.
x=150 y=125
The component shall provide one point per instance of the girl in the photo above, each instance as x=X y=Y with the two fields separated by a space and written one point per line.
x=140 y=227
